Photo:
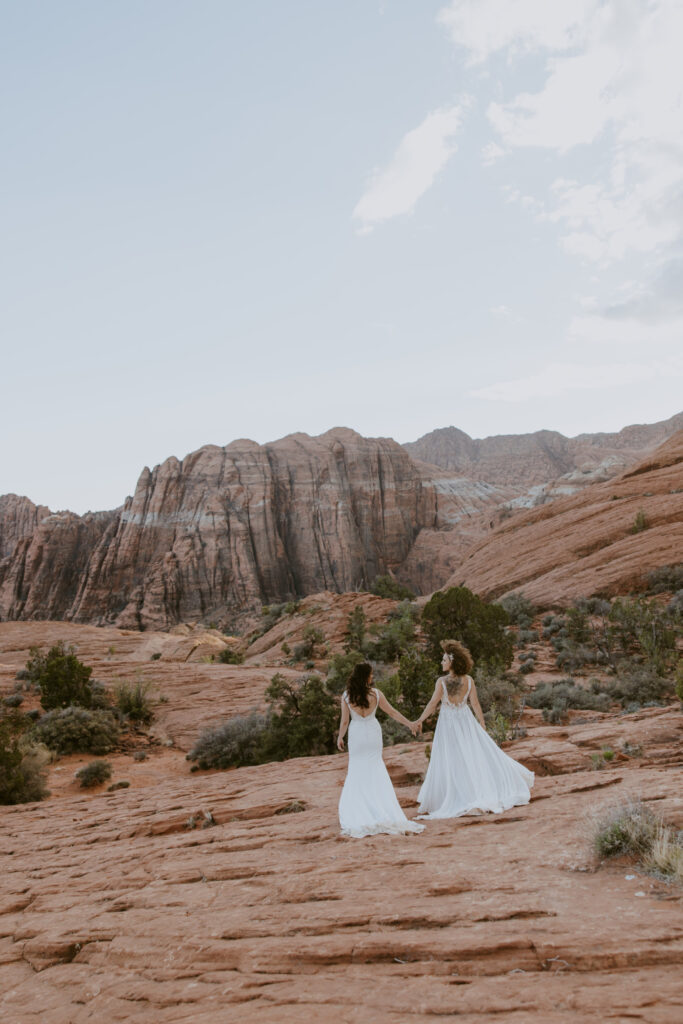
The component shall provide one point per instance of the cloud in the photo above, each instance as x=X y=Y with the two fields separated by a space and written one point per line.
x=490 y=153
x=659 y=301
x=484 y=27
x=419 y=158
x=505 y=313
x=612 y=85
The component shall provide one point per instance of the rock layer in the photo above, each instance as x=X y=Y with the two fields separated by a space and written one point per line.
x=588 y=543
x=228 y=529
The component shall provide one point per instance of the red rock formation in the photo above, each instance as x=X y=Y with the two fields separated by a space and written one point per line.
x=524 y=460
x=19 y=517
x=585 y=544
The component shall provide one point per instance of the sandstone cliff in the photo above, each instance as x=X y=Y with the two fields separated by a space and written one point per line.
x=585 y=544
x=528 y=460
x=229 y=529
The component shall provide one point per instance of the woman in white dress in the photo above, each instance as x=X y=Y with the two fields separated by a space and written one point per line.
x=368 y=804
x=468 y=773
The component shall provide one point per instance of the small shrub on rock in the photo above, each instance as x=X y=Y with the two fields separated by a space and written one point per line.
x=14 y=700
x=640 y=523
x=666 y=578
x=133 y=702
x=76 y=730
x=627 y=827
x=62 y=678
x=387 y=586
x=638 y=684
x=23 y=764
x=564 y=694
x=94 y=774
x=231 y=744
x=230 y=657
x=519 y=608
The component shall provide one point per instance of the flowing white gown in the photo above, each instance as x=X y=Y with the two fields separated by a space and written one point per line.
x=368 y=804
x=468 y=773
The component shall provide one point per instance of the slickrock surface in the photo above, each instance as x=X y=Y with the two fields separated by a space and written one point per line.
x=584 y=544
x=198 y=898
x=115 y=908
x=541 y=457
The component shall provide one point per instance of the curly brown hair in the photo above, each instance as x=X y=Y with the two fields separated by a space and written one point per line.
x=461 y=659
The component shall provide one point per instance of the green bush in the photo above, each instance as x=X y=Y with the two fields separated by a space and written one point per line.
x=667 y=578
x=396 y=637
x=459 y=614
x=310 y=646
x=416 y=676
x=520 y=610
x=527 y=636
x=636 y=685
x=387 y=586
x=23 y=764
x=303 y=718
x=133 y=702
x=356 y=628
x=640 y=523
x=502 y=697
x=76 y=730
x=231 y=744
x=62 y=678
x=14 y=700
x=627 y=827
x=393 y=732
x=94 y=774
x=229 y=657
x=564 y=694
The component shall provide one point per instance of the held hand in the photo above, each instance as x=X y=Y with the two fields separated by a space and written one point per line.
x=416 y=728
x=340 y=744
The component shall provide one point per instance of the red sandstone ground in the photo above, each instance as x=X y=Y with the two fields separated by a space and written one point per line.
x=113 y=908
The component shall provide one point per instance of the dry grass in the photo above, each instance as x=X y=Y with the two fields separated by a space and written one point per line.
x=632 y=829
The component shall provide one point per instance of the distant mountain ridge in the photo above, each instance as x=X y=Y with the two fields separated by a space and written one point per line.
x=227 y=529
x=527 y=460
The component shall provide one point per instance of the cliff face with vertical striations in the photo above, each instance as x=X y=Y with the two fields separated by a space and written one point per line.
x=229 y=529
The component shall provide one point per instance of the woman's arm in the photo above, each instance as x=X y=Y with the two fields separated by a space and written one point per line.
x=393 y=713
x=476 y=706
x=433 y=704
x=343 y=724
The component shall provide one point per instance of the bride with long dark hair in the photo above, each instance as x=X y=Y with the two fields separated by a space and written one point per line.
x=368 y=804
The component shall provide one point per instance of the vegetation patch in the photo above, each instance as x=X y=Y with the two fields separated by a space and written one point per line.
x=630 y=828
x=77 y=730
x=94 y=774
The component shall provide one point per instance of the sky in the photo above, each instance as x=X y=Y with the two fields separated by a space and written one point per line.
x=222 y=220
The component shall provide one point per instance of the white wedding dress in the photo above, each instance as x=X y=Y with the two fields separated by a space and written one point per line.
x=468 y=773
x=368 y=804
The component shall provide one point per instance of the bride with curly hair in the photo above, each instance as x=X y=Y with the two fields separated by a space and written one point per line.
x=468 y=773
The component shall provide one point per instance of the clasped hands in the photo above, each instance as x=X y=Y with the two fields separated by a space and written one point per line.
x=415 y=728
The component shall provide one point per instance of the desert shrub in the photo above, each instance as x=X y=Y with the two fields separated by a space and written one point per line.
x=387 y=586
x=77 y=730
x=23 y=764
x=416 y=676
x=339 y=669
x=502 y=697
x=303 y=717
x=356 y=628
x=519 y=609
x=527 y=636
x=94 y=774
x=678 y=685
x=155 y=656
x=311 y=645
x=395 y=637
x=675 y=605
x=23 y=675
x=459 y=614
x=572 y=658
x=62 y=678
x=230 y=657
x=626 y=827
x=133 y=702
x=14 y=700
x=640 y=523
x=526 y=667
x=638 y=685
x=393 y=732
x=564 y=694
x=235 y=742
x=666 y=578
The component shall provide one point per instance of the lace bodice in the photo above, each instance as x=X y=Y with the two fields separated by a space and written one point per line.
x=355 y=715
x=455 y=705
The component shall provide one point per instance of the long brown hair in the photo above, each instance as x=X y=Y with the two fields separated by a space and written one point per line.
x=358 y=686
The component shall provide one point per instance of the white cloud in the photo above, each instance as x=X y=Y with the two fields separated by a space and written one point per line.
x=420 y=156
x=490 y=153
x=505 y=313
x=483 y=27
x=613 y=78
